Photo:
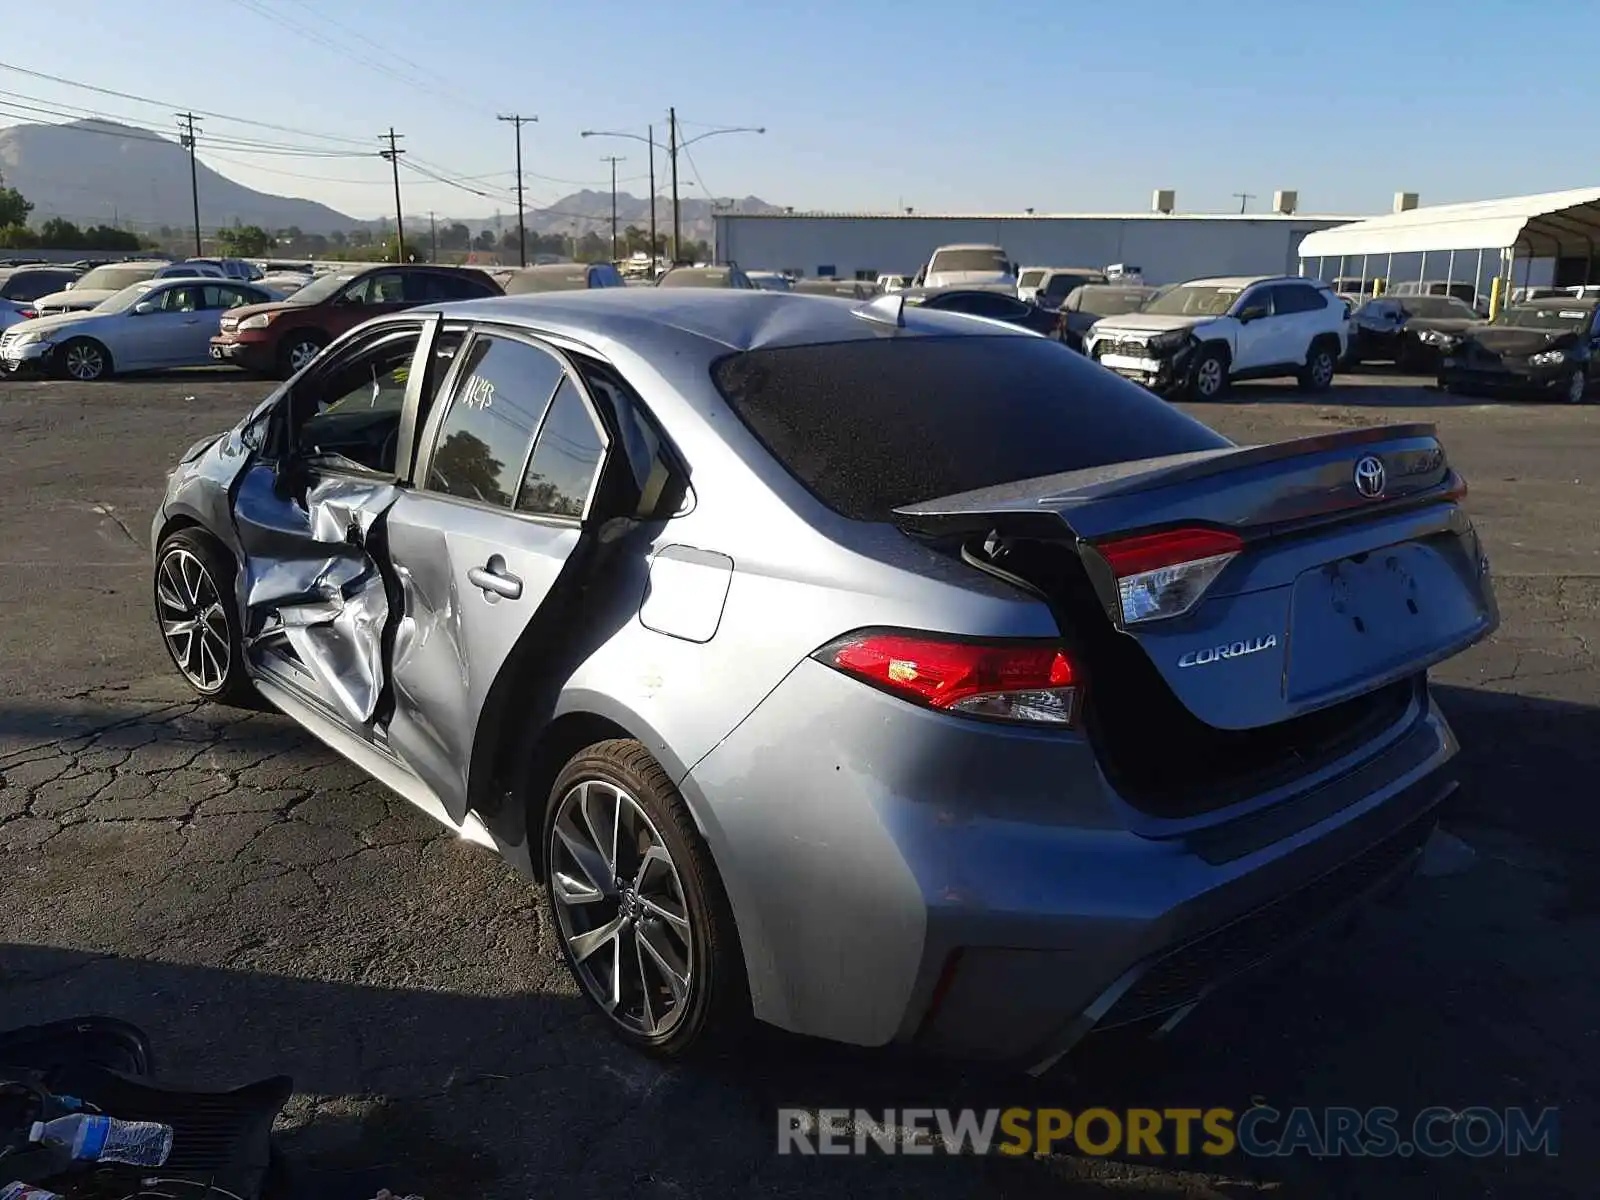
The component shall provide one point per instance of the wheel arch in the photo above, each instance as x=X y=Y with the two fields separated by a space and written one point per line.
x=111 y=359
x=1326 y=338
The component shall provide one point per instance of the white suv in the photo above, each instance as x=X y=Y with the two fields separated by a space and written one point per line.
x=1196 y=338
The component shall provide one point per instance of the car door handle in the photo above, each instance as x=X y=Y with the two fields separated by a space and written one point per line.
x=192 y=321
x=493 y=579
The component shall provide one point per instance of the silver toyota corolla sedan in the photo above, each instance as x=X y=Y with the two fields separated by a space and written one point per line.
x=883 y=674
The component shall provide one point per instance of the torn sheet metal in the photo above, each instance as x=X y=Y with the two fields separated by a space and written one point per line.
x=330 y=601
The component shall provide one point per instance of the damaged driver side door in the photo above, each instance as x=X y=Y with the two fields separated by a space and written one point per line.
x=309 y=511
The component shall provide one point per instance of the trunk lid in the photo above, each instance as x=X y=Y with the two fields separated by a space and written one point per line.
x=1334 y=591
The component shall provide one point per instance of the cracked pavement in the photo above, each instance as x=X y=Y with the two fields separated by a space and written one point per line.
x=261 y=907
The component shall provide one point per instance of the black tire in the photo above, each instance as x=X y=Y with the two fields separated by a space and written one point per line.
x=1577 y=387
x=94 y=357
x=233 y=686
x=1321 y=363
x=716 y=1008
x=293 y=348
x=1208 y=380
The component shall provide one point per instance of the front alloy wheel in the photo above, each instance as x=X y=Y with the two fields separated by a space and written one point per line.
x=1210 y=376
x=83 y=360
x=620 y=904
x=193 y=620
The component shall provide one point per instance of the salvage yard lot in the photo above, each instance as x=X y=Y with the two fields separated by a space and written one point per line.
x=260 y=907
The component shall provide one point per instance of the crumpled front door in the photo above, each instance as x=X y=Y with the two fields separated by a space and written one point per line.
x=313 y=593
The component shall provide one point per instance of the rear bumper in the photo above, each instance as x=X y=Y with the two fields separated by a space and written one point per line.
x=902 y=876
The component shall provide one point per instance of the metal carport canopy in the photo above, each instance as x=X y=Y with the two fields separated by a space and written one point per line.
x=1552 y=224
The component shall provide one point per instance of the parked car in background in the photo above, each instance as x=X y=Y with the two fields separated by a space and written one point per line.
x=149 y=326
x=1060 y=282
x=1017 y=706
x=96 y=285
x=993 y=303
x=192 y=269
x=1544 y=348
x=966 y=266
x=1407 y=330
x=25 y=285
x=845 y=289
x=562 y=277
x=705 y=277
x=1358 y=288
x=232 y=268
x=284 y=283
x=1196 y=338
x=1086 y=305
x=281 y=338
x=13 y=312
x=1465 y=292
x=889 y=284
x=1049 y=286
x=768 y=281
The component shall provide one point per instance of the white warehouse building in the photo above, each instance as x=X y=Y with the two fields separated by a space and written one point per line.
x=1167 y=246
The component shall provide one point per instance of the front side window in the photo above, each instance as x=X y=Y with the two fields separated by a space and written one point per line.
x=223 y=296
x=500 y=397
x=348 y=414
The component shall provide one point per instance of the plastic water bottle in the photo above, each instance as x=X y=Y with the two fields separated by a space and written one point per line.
x=96 y=1138
x=17 y=1190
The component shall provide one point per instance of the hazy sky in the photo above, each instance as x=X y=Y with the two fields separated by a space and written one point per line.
x=945 y=105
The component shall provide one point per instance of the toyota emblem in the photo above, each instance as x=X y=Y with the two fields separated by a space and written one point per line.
x=1369 y=477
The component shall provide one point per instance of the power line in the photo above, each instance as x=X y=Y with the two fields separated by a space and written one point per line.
x=167 y=104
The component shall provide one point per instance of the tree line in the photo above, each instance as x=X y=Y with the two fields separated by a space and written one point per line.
x=56 y=233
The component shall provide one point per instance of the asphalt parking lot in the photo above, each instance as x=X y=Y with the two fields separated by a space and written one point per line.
x=259 y=907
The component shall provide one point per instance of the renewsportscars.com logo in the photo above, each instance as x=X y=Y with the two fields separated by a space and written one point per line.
x=1258 y=1132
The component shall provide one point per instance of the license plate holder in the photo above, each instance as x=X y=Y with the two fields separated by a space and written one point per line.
x=1130 y=363
x=216 y=352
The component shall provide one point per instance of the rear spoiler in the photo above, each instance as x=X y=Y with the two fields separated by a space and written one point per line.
x=1301 y=479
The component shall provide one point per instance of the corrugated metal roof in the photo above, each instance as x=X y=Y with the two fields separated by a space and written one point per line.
x=1549 y=223
x=1276 y=218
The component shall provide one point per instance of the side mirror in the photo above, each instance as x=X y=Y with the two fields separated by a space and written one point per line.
x=144 y=308
x=1252 y=312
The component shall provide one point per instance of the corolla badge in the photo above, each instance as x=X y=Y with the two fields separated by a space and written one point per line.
x=1213 y=654
x=1370 y=477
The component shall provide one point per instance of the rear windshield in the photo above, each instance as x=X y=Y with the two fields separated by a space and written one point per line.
x=968 y=260
x=869 y=426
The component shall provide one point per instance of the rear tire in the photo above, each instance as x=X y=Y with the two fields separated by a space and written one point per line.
x=1210 y=378
x=1321 y=361
x=659 y=895
x=198 y=618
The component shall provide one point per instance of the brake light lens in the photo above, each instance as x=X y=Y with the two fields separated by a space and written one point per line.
x=1164 y=575
x=27 y=314
x=1019 y=681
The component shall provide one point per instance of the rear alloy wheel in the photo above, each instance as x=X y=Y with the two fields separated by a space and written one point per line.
x=640 y=912
x=298 y=351
x=199 y=623
x=84 y=360
x=1318 y=373
x=1210 y=375
x=1577 y=389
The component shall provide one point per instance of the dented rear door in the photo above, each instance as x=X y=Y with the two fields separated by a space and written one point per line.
x=483 y=543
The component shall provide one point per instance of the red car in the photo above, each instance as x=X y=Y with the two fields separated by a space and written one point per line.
x=280 y=338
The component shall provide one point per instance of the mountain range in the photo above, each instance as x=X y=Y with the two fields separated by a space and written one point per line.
x=96 y=172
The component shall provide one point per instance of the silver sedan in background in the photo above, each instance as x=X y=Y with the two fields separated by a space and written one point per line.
x=148 y=326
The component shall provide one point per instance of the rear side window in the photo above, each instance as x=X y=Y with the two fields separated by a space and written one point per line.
x=1296 y=298
x=869 y=426
x=484 y=440
x=566 y=460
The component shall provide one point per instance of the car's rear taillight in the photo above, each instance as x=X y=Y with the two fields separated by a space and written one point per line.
x=1165 y=574
x=1023 y=681
x=27 y=314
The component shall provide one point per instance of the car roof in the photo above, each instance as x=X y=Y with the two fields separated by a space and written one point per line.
x=967 y=246
x=1560 y=300
x=710 y=321
x=1242 y=281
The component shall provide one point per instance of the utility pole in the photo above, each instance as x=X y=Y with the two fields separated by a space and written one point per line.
x=393 y=155
x=186 y=140
x=522 y=230
x=613 y=160
x=651 y=133
x=672 y=151
x=1244 y=198
x=433 y=230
